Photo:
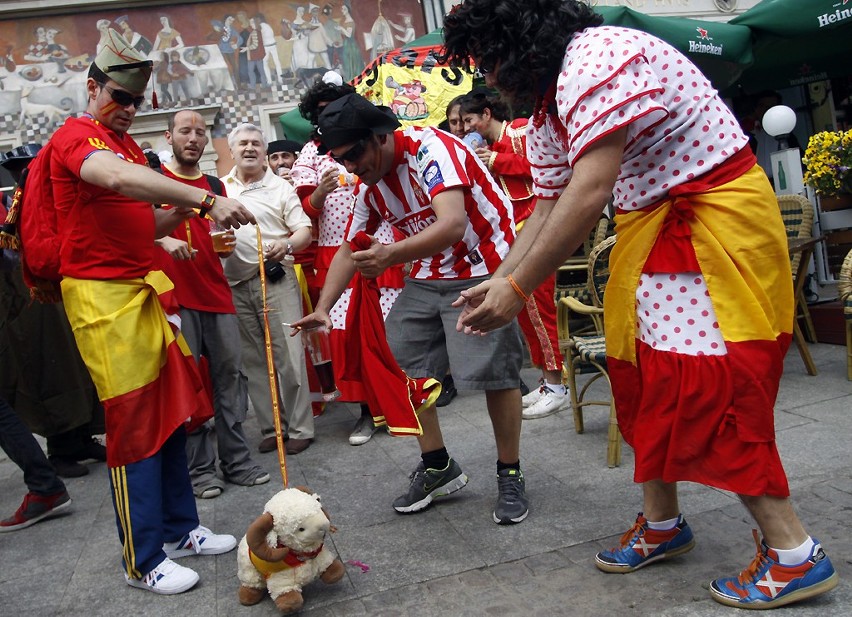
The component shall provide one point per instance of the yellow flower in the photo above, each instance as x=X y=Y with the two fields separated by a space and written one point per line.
x=828 y=161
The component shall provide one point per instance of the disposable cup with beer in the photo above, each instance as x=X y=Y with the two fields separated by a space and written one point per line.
x=318 y=344
x=223 y=239
x=346 y=179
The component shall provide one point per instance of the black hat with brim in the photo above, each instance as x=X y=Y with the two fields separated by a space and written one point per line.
x=352 y=118
x=283 y=145
x=19 y=157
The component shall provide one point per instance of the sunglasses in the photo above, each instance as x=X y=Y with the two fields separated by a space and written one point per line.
x=353 y=154
x=122 y=98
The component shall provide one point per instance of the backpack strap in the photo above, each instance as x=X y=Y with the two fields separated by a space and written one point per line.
x=215 y=184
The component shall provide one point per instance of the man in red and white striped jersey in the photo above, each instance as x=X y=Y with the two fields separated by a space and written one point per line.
x=458 y=227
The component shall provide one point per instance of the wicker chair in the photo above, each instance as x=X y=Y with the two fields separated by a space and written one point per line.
x=844 y=286
x=586 y=353
x=798 y=215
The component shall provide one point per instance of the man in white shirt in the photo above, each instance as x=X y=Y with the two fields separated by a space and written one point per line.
x=284 y=228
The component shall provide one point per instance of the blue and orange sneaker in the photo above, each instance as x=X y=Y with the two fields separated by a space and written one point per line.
x=768 y=584
x=641 y=546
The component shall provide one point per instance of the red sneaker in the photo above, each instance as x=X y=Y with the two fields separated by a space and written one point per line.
x=35 y=508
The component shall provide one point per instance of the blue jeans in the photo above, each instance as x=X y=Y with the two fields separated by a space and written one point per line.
x=21 y=447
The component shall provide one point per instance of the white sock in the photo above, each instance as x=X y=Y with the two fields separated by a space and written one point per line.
x=795 y=556
x=663 y=525
x=557 y=388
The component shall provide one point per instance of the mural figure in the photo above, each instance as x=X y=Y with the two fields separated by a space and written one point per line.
x=136 y=40
x=406 y=28
x=381 y=34
x=37 y=51
x=167 y=38
x=334 y=36
x=228 y=42
x=318 y=41
x=57 y=52
x=301 y=29
x=103 y=27
x=270 y=49
x=242 y=25
x=254 y=56
x=353 y=59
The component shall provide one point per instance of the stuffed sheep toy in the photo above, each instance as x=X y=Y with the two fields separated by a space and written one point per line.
x=283 y=550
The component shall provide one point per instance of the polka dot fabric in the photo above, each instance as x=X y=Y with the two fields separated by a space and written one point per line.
x=618 y=77
x=341 y=307
x=674 y=313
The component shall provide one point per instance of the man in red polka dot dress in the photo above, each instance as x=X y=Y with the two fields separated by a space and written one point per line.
x=698 y=314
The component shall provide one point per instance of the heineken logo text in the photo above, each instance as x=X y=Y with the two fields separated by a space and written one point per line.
x=697 y=47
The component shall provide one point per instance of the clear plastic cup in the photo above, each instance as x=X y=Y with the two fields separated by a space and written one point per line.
x=318 y=344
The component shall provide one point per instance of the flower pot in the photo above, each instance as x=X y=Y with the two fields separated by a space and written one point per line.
x=841 y=201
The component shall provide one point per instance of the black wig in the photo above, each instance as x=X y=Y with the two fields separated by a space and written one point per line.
x=522 y=42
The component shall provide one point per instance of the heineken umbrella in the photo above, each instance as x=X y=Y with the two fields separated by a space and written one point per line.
x=720 y=50
x=796 y=42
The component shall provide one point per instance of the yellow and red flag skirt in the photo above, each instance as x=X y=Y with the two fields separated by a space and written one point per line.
x=696 y=416
x=141 y=365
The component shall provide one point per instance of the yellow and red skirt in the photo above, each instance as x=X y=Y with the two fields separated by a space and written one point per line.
x=710 y=267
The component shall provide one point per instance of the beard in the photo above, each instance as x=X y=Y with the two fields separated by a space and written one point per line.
x=187 y=159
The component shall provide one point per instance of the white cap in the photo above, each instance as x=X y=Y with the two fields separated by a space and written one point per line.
x=332 y=77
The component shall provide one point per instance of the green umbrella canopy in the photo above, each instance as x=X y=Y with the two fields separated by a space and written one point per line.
x=719 y=49
x=295 y=126
x=796 y=42
x=432 y=39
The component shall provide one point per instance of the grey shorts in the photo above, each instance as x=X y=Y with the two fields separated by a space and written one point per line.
x=421 y=332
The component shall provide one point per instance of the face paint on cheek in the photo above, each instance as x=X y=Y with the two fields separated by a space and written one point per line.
x=109 y=107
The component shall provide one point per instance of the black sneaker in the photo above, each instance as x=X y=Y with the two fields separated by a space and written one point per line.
x=512 y=503
x=448 y=392
x=427 y=484
x=67 y=467
x=92 y=450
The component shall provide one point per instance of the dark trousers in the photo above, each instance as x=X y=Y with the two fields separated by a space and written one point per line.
x=153 y=501
x=21 y=447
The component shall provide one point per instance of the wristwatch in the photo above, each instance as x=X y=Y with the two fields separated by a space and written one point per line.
x=207 y=203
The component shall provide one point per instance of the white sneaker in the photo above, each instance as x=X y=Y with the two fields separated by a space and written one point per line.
x=363 y=431
x=200 y=541
x=167 y=578
x=549 y=403
x=532 y=397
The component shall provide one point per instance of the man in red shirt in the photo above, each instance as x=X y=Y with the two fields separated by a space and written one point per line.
x=208 y=321
x=457 y=226
x=122 y=313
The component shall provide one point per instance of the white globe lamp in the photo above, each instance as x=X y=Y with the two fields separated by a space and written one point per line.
x=779 y=121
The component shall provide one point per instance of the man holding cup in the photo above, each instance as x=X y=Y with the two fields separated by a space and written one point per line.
x=284 y=229
x=190 y=258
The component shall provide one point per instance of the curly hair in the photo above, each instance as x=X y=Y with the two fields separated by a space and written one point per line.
x=321 y=92
x=522 y=42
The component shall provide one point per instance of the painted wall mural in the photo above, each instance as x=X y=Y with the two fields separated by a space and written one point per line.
x=237 y=54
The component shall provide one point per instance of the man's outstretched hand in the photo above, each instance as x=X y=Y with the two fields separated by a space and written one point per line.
x=487 y=306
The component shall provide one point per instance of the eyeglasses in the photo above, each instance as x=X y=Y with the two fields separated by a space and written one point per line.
x=353 y=154
x=120 y=97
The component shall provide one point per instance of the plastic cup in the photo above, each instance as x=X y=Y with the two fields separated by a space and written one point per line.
x=318 y=344
x=221 y=238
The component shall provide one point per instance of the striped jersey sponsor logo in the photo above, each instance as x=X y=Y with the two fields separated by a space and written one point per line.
x=429 y=162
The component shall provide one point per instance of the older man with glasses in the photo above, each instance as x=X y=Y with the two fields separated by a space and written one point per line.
x=121 y=313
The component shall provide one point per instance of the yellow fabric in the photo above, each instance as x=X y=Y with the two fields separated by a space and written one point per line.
x=121 y=330
x=741 y=246
x=267 y=568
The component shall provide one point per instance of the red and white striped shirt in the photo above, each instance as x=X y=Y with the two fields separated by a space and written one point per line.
x=427 y=162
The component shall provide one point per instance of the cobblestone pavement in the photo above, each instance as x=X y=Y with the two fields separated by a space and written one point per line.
x=452 y=559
